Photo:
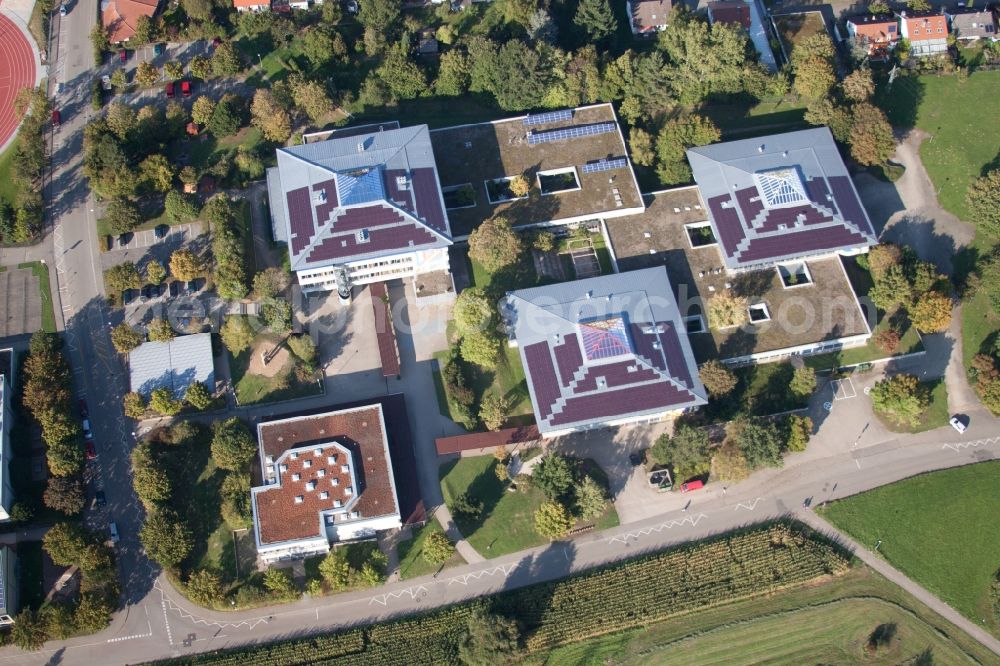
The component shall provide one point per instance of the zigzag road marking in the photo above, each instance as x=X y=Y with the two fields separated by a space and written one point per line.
x=690 y=520
x=974 y=443
x=411 y=592
x=505 y=569
x=749 y=506
x=168 y=603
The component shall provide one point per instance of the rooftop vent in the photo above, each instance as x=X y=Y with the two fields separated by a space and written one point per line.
x=345 y=469
x=402 y=183
x=296 y=477
x=337 y=504
x=331 y=460
x=760 y=148
x=299 y=499
x=321 y=197
x=321 y=473
x=361 y=146
x=363 y=236
x=324 y=495
x=602 y=383
x=348 y=491
x=590 y=293
x=317 y=452
x=311 y=485
x=335 y=482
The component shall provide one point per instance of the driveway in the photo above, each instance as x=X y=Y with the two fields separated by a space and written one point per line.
x=923 y=224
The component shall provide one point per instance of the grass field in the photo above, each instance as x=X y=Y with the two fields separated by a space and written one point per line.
x=832 y=632
x=947 y=108
x=8 y=188
x=411 y=561
x=41 y=272
x=762 y=390
x=935 y=416
x=507 y=524
x=933 y=527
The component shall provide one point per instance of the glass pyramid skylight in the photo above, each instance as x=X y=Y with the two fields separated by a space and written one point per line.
x=358 y=187
x=781 y=187
x=604 y=338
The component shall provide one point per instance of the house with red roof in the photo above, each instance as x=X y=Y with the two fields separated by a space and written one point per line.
x=648 y=16
x=328 y=478
x=603 y=351
x=732 y=12
x=243 y=6
x=360 y=207
x=927 y=32
x=119 y=17
x=876 y=33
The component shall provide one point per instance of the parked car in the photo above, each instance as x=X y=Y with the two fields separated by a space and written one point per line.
x=87 y=433
x=63 y=10
x=193 y=286
x=106 y=82
x=161 y=231
x=957 y=424
x=150 y=291
x=91 y=450
x=113 y=530
x=170 y=90
x=128 y=296
x=637 y=457
x=158 y=49
x=175 y=288
x=82 y=405
x=692 y=485
x=124 y=239
x=123 y=55
x=56 y=117
x=186 y=88
x=100 y=499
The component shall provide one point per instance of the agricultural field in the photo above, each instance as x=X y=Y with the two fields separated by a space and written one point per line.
x=924 y=522
x=758 y=563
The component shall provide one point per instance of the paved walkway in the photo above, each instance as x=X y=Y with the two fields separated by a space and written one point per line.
x=897 y=577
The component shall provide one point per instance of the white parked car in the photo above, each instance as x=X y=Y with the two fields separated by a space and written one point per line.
x=113 y=529
x=957 y=424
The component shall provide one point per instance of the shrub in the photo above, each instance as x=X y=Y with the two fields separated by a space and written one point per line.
x=135 y=405
x=198 y=396
x=901 y=397
x=204 y=587
x=803 y=382
x=552 y=520
x=467 y=505
x=162 y=400
x=726 y=310
x=887 y=340
x=718 y=379
x=438 y=549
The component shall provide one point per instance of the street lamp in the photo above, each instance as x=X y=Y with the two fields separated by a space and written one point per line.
x=260 y=60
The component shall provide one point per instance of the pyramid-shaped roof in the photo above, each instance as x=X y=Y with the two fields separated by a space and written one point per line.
x=358 y=197
x=604 y=349
x=780 y=197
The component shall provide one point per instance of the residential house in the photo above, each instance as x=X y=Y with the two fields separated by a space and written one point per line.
x=8 y=585
x=970 y=25
x=119 y=17
x=243 y=6
x=603 y=351
x=174 y=365
x=361 y=206
x=876 y=33
x=574 y=159
x=745 y=14
x=927 y=32
x=648 y=16
x=6 y=423
x=732 y=12
x=328 y=478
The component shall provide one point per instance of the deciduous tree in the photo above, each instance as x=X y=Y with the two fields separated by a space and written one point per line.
x=553 y=475
x=718 y=379
x=494 y=410
x=983 y=201
x=887 y=340
x=761 y=443
x=65 y=495
x=122 y=215
x=676 y=136
x=123 y=276
x=858 y=86
x=588 y=499
x=481 y=348
x=180 y=207
x=166 y=539
x=453 y=74
x=202 y=109
x=270 y=117
x=162 y=400
x=160 y=330
x=640 y=142
x=799 y=430
x=173 y=70
x=901 y=397
x=932 y=312
x=871 y=135
x=596 y=19
x=198 y=396
x=552 y=520
x=225 y=60
x=803 y=382
x=687 y=450
x=186 y=265
x=725 y=310
x=438 y=549
x=494 y=244
x=204 y=587
x=146 y=73
x=201 y=67
x=233 y=445
x=312 y=97
x=473 y=312
x=125 y=338
x=237 y=334
x=134 y=405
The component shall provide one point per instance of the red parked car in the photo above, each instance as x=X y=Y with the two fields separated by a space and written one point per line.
x=91 y=451
x=186 y=88
x=692 y=485
x=56 y=117
x=170 y=90
x=123 y=55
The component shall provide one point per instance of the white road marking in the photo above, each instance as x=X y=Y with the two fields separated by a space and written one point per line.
x=505 y=569
x=842 y=391
x=689 y=520
x=957 y=446
x=749 y=506
x=857 y=462
x=411 y=592
x=129 y=638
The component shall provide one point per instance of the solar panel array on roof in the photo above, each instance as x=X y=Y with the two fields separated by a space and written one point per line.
x=605 y=165
x=549 y=117
x=543 y=377
x=573 y=132
x=300 y=218
x=425 y=189
x=606 y=404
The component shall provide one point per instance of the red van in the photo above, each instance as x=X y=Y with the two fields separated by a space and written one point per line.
x=692 y=485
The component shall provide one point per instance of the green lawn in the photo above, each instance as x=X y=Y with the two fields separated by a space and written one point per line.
x=8 y=188
x=252 y=389
x=507 y=522
x=507 y=380
x=938 y=529
x=949 y=109
x=834 y=632
x=41 y=272
x=762 y=390
x=411 y=561
x=935 y=416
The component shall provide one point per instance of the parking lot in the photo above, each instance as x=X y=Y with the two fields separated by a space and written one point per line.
x=136 y=240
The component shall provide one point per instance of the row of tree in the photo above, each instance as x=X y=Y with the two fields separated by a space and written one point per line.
x=901 y=280
x=21 y=219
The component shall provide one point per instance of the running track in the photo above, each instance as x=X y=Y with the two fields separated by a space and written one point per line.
x=17 y=70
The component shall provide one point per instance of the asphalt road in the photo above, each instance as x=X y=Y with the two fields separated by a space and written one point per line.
x=156 y=622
